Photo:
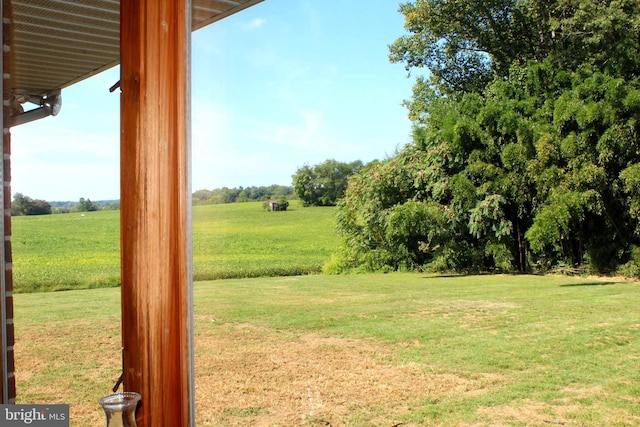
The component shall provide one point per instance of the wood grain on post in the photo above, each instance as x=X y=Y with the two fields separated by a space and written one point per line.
x=154 y=207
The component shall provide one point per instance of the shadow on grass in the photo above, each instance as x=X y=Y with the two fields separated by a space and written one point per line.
x=489 y=273
x=443 y=276
x=471 y=273
x=570 y=285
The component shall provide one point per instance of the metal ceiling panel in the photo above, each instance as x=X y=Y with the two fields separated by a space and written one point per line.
x=56 y=43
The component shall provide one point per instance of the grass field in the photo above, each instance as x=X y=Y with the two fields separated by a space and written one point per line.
x=364 y=350
x=242 y=240
x=80 y=251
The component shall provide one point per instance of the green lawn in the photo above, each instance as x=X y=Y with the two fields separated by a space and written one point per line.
x=79 y=251
x=374 y=350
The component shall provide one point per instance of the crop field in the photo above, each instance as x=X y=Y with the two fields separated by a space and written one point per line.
x=363 y=350
x=80 y=251
x=242 y=240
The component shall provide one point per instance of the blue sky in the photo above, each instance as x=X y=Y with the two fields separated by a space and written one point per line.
x=279 y=85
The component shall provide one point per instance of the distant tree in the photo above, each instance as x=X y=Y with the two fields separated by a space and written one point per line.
x=252 y=193
x=228 y=195
x=25 y=205
x=86 y=205
x=20 y=204
x=39 y=207
x=201 y=196
x=323 y=184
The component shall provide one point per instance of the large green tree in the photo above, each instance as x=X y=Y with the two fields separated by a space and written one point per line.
x=323 y=184
x=526 y=143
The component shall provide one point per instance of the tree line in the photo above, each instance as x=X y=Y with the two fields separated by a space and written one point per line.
x=25 y=205
x=319 y=185
x=241 y=194
x=323 y=184
x=525 y=153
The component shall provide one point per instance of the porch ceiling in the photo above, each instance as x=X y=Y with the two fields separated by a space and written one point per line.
x=56 y=43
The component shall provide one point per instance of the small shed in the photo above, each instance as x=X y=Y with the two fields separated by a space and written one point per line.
x=274 y=205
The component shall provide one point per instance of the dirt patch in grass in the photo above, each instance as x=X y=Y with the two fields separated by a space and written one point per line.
x=248 y=376
x=74 y=363
x=257 y=377
x=254 y=376
x=245 y=375
x=529 y=412
x=567 y=411
x=448 y=308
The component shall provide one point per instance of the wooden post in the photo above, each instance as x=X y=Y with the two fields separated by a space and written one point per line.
x=8 y=383
x=155 y=209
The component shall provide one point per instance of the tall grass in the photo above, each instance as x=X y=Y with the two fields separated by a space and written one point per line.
x=79 y=251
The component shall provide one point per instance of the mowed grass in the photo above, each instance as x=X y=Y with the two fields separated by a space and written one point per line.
x=80 y=251
x=364 y=350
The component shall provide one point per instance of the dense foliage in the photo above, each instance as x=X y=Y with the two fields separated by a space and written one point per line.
x=526 y=149
x=25 y=205
x=323 y=184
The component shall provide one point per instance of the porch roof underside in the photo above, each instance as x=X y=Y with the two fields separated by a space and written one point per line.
x=56 y=43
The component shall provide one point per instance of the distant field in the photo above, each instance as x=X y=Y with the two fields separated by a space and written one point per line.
x=66 y=251
x=75 y=251
x=242 y=240
x=363 y=351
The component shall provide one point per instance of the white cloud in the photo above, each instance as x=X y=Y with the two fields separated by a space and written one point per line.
x=312 y=121
x=302 y=138
x=255 y=23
